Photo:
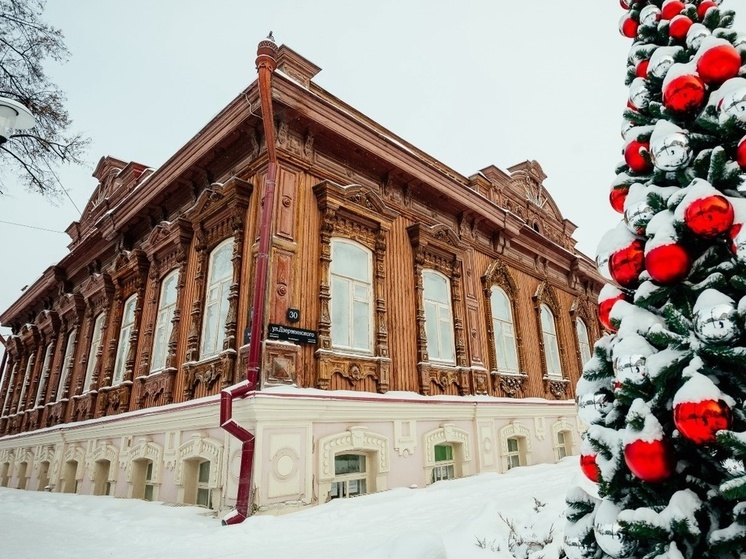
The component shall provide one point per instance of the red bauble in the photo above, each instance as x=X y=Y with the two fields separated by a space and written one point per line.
x=617 y=197
x=718 y=64
x=668 y=264
x=741 y=153
x=634 y=158
x=684 y=93
x=650 y=461
x=604 y=311
x=641 y=70
x=671 y=9
x=624 y=4
x=628 y=26
x=709 y=217
x=589 y=467
x=626 y=264
x=679 y=27
x=699 y=421
x=704 y=6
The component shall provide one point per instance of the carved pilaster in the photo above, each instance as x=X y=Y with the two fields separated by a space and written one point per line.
x=196 y=314
x=382 y=335
x=325 y=321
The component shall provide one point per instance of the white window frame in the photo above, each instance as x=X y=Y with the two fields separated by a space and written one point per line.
x=164 y=316
x=44 y=374
x=13 y=372
x=221 y=288
x=507 y=336
x=344 y=481
x=26 y=377
x=561 y=445
x=67 y=361
x=125 y=333
x=438 y=319
x=354 y=286
x=584 y=344
x=513 y=455
x=98 y=326
x=549 y=336
x=446 y=468
x=203 y=485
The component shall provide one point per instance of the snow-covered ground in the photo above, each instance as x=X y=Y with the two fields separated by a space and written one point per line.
x=448 y=519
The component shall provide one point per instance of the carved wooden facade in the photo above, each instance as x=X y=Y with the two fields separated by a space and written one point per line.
x=341 y=176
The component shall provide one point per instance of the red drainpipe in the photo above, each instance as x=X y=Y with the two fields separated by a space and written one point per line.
x=265 y=64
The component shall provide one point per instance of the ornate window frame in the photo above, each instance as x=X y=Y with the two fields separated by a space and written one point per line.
x=204 y=448
x=571 y=441
x=461 y=442
x=498 y=275
x=583 y=309
x=438 y=248
x=73 y=453
x=358 y=214
x=515 y=430
x=218 y=214
x=356 y=440
x=104 y=451
x=555 y=385
x=145 y=450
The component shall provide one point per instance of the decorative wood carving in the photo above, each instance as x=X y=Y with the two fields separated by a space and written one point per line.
x=511 y=384
x=545 y=295
x=557 y=387
x=353 y=212
x=156 y=389
x=208 y=372
x=282 y=360
x=443 y=377
x=114 y=399
x=353 y=369
x=83 y=407
x=55 y=413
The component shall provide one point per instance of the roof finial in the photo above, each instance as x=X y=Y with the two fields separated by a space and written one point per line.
x=271 y=37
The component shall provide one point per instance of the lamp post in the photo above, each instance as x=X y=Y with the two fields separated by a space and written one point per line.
x=13 y=116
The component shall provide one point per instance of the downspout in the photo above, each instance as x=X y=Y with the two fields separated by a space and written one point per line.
x=265 y=64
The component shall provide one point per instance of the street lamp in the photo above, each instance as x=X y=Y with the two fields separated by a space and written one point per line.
x=13 y=116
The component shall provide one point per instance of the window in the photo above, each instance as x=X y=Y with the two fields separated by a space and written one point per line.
x=92 y=354
x=8 y=391
x=125 y=332
x=444 y=463
x=148 y=496
x=506 y=352
x=551 y=350
x=26 y=380
x=70 y=482
x=67 y=363
x=22 y=467
x=438 y=317
x=350 y=478
x=561 y=442
x=351 y=294
x=216 y=306
x=101 y=483
x=44 y=374
x=43 y=476
x=5 y=474
x=513 y=455
x=583 y=341
x=166 y=308
x=204 y=495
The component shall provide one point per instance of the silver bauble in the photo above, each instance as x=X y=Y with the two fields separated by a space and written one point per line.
x=609 y=534
x=733 y=105
x=717 y=324
x=574 y=548
x=697 y=32
x=627 y=126
x=631 y=368
x=638 y=215
x=671 y=152
x=659 y=65
x=602 y=263
x=593 y=407
x=650 y=15
x=639 y=95
x=739 y=242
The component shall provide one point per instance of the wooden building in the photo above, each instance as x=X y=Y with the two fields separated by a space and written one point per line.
x=419 y=324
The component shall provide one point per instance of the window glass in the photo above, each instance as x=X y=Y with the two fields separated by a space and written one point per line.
x=216 y=300
x=26 y=380
x=444 y=465
x=8 y=390
x=166 y=309
x=506 y=351
x=551 y=350
x=583 y=341
x=438 y=317
x=350 y=477
x=351 y=295
x=44 y=374
x=514 y=455
x=67 y=363
x=125 y=332
x=561 y=445
x=93 y=353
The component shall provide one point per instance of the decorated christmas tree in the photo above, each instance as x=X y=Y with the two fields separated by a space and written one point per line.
x=664 y=395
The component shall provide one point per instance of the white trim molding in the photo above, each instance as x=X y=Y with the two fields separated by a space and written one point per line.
x=515 y=429
x=461 y=441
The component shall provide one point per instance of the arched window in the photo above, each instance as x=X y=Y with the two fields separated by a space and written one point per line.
x=438 y=317
x=583 y=341
x=67 y=363
x=128 y=324
x=351 y=281
x=44 y=374
x=506 y=352
x=216 y=301
x=551 y=349
x=26 y=380
x=95 y=345
x=166 y=308
x=8 y=391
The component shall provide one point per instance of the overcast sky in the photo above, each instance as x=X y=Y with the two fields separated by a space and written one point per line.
x=472 y=83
